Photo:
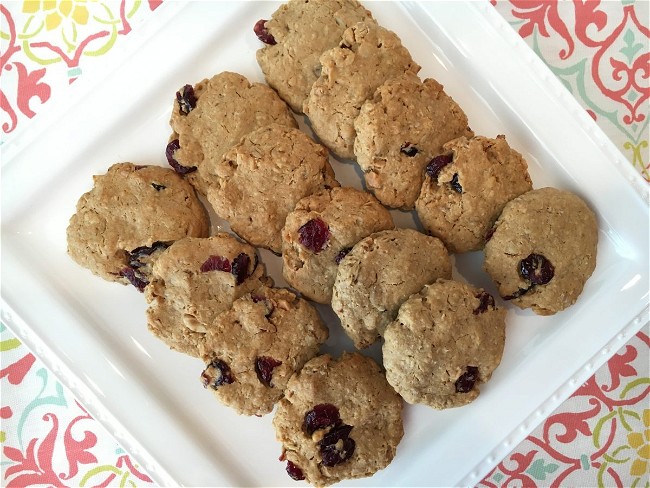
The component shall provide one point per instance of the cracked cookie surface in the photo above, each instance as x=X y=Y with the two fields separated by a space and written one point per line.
x=446 y=341
x=543 y=249
x=212 y=116
x=379 y=274
x=260 y=180
x=253 y=349
x=129 y=216
x=460 y=200
x=399 y=130
x=340 y=419
x=368 y=56
x=348 y=215
x=302 y=31
x=194 y=281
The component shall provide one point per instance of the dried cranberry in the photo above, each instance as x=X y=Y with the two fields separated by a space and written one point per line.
x=264 y=367
x=321 y=416
x=263 y=33
x=408 y=149
x=294 y=471
x=216 y=373
x=336 y=446
x=465 y=383
x=536 y=269
x=216 y=263
x=240 y=267
x=134 y=278
x=517 y=294
x=436 y=164
x=171 y=149
x=341 y=254
x=135 y=256
x=485 y=300
x=314 y=235
x=186 y=99
x=455 y=185
x=158 y=187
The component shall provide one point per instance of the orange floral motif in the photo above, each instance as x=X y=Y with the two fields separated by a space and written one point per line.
x=641 y=443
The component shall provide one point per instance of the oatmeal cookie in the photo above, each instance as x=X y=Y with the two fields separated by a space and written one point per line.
x=129 y=217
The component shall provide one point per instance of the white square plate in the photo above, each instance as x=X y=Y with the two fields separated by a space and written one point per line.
x=93 y=335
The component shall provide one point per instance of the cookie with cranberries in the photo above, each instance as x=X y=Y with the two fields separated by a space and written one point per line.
x=211 y=116
x=399 y=130
x=194 y=281
x=132 y=213
x=379 y=274
x=445 y=343
x=466 y=187
x=321 y=230
x=252 y=350
x=295 y=36
x=367 y=56
x=339 y=419
x=259 y=181
x=542 y=250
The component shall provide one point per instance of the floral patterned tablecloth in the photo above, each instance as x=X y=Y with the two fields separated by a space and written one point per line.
x=598 y=437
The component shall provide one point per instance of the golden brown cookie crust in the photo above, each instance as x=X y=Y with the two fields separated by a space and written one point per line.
x=130 y=207
x=399 y=130
x=439 y=333
x=379 y=274
x=264 y=339
x=488 y=173
x=303 y=30
x=369 y=55
x=349 y=215
x=356 y=386
x=186 y=293
x=260 y=180
x=549 y=222
x=228 y=106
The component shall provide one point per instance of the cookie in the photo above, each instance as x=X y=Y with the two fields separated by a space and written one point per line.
x=339 y=419
x=129 y=217
x=253 y=349
x=542 y=250
x=378 y=274
x=321 y=230
x=467 y=186
x=260 y=180
x=446 y=342
x=399 y=130
x=195 y=280
x=367 y=56
x=295 y=37
x=212 y=116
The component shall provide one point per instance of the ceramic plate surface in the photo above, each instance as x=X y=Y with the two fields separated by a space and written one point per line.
x=93 y=335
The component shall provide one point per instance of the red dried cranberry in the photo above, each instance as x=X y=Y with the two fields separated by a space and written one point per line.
x=408 y=149
x=517 y=294
x=455 y=185
x=264 y=367
x=186 y=99
x=336 y=446
x=485 y=300
x=321 y=416
x=216 y=263
x=294 y=471
x=216 y=373
x=465 y=383
x=536 y=269
x=135 y=278
x=171 y=149
x=240 y=267
x=263 y=33
x=436 y=164
x=134 y=256
x=341 y=254
x=314 y=235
